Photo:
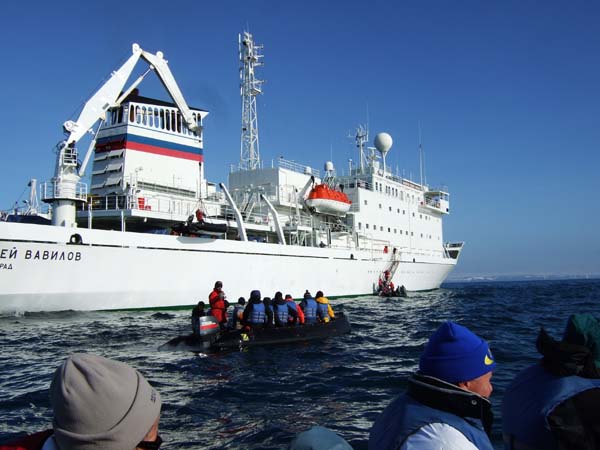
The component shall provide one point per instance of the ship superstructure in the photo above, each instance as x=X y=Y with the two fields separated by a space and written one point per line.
x=151 y=231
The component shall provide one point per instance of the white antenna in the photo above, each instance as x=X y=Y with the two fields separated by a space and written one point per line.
x=361 y=137
x=250 y=88
x=421 y=159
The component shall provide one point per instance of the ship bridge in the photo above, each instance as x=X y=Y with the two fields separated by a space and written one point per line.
x=147 y=163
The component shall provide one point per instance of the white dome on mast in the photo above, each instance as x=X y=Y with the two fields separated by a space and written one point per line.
x=383 y=142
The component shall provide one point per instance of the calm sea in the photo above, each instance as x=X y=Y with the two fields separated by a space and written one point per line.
x=261 y=398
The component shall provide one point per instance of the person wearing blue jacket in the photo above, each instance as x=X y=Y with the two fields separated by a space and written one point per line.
x=284 y=312
x=553 y=404
x=446 y=403
x=309 y=308
x=254 y=312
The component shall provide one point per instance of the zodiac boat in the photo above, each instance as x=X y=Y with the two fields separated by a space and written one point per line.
x=210 y=338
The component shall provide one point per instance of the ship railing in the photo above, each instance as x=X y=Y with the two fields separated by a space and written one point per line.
x=162 y=118
x=433 y=203
x=155 y=204
x=65 y=189
x=297 y=167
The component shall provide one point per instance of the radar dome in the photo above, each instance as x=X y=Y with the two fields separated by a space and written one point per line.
x=328 y=166
x=383 y=142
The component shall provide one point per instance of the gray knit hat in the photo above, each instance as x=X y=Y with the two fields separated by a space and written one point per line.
x=100 y=404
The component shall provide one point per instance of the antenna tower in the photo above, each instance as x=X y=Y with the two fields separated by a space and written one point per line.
x=421 y=160
x=250 y=88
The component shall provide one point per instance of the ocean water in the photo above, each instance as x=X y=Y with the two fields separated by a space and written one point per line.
x=261 y=398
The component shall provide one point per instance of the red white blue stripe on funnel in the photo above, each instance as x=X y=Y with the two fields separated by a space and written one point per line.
x=149 y=145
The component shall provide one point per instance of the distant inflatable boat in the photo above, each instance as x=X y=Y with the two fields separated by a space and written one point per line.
x=398 y=292
x=210 y=338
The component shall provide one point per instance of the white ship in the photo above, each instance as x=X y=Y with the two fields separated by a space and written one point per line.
x=152 y=232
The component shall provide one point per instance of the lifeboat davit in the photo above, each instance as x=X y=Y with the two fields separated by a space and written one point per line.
x=326 y=200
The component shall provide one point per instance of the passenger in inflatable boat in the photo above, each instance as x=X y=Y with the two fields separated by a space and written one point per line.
x=255 y=313
x=386 y=286
x=554 y=403
x=197 y=312
x=324 y=310
x=98 y=403
x=218 y=304
x=283 y=313
x=237 y=315
x=309 y=308
x=319 y=438
x=446 y=403
x=269 y=320
x=292 y=305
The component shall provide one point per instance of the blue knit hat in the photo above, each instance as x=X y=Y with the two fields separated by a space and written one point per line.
x=455 y=354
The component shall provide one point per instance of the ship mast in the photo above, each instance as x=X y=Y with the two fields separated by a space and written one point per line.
x=361 y=137
x=421 y=161
x=250 y=88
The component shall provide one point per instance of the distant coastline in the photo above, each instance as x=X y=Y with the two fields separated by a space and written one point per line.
x=518 y=277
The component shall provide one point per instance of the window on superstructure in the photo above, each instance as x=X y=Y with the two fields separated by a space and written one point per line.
x=389 y=230
x=380 y=228
x=390 y=208
x=412 y=234
x=413 y=214
x=395 y=231
x=359 y=225
x=365 y=202
x=367 y=226
x=420 y=216
x=380 y=206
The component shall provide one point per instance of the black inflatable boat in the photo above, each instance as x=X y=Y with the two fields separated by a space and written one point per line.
x=210 y=338
x=398 y=292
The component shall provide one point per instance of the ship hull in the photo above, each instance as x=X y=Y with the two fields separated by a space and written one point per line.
x=49 y=268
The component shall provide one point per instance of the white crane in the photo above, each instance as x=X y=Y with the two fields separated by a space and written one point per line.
x=66 y=189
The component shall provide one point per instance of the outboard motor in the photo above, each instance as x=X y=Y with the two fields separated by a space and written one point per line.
x=206 y=328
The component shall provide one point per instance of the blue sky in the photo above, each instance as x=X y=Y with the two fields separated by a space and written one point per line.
x=507 y=94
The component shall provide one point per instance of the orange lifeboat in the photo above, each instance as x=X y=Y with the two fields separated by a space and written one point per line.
x=326 y=200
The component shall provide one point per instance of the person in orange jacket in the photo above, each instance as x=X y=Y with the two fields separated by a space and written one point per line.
x=293 y=305
x=218 y=304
